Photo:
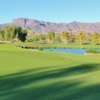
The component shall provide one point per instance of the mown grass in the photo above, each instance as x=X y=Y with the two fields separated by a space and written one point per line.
x=58 y=45
x=38 y=75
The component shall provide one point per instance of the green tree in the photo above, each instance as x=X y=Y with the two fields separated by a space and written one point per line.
x=95 y=38
x=9 y=33
x=65 y=37
x=30 y=36
x=22 y=35
x=58 y=38
x=19 y=33
x=17 y=30
x=35 y=38
x=42 y=37
x=50 y=36
x=2 y=35
x=81 y=38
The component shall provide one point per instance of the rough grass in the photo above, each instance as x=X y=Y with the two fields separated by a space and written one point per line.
x=38 y=75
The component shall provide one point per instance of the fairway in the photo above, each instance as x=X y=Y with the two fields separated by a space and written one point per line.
x=38 y=75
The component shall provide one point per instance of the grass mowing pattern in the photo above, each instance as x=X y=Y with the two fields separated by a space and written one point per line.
x=39 y=75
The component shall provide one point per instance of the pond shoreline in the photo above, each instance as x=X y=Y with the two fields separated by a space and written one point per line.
x=62 y=49
x=92 y=54
x=29 y=47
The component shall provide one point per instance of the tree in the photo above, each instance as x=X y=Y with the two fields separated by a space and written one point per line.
x=42 y=37
x=22 y=35
x=58 y=38
x=95 y=38
x=30 y=36
x=2 y=35
x=65 y=37
x=81 y=38
x=9 y=33
x=50 y=36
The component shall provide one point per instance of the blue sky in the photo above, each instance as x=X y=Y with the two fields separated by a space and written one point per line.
x=58 y=11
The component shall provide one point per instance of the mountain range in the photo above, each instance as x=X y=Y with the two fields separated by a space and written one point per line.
x=43 y=27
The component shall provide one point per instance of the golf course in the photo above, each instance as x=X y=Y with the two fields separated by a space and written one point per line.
x=27 y=74
x=50 y=50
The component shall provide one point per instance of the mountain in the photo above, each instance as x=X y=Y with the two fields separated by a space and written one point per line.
x=43 y=27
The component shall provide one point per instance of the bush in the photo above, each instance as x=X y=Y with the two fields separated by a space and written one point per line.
x=40 y=48
x=51 y=50
x=92 y=51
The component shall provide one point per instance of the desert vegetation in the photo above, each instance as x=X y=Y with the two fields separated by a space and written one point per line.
x=12 y=34
x=16 y=34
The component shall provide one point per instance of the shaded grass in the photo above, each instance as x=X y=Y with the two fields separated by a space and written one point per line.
x=36 y=75
x=57 y=84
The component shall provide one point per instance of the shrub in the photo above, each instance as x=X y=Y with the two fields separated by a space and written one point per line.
x=40 y=48
x=92 y=51
x=51 y=50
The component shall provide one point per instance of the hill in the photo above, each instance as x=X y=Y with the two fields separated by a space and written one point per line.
x=43 y=27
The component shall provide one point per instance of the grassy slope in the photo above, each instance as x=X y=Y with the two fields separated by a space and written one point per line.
x=37 y=75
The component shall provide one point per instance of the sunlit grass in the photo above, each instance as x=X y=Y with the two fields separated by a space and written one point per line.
x=58 y=45
x=38 y=75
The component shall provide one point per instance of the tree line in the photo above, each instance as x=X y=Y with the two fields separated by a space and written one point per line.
x=16 y=33
x=13 y=33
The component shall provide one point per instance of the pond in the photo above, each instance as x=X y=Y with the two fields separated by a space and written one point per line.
x=69 y=50
x=75 y=50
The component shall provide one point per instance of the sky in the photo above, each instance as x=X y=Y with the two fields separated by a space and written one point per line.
x=58 y=11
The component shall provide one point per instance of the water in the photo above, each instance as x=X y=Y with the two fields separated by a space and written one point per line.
x=75 y=51
x=69 y=50
x=72 y=50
